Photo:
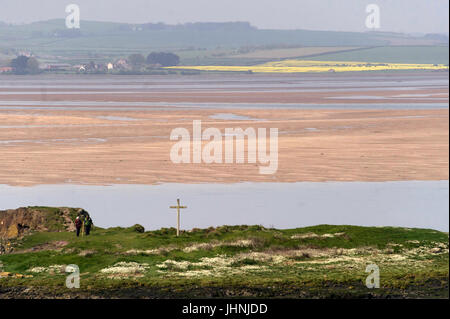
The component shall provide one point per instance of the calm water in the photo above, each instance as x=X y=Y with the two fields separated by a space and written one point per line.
x=233 y=117
x=422 y=204
x=226 y=81
x=104 y=85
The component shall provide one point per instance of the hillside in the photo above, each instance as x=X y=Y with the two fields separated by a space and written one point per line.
x=392 y=54
x=94 y=35
x=322 y=261
x=203 y=42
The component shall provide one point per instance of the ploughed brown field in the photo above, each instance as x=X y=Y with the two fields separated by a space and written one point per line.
x=108 y=134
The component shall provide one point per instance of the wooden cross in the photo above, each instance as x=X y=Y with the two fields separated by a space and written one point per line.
x=178 y=207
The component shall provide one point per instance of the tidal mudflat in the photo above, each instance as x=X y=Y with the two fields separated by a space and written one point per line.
x=325 y=133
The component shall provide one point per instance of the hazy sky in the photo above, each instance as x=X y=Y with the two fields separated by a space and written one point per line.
x=410 y=16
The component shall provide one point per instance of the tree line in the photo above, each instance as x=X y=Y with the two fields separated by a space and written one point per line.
x=154 y=58
x=25 y=65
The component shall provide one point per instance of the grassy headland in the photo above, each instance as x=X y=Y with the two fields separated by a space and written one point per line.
x=230 y=261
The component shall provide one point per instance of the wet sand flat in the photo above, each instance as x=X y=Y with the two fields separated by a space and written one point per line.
x=422 y=95
x=131 y=146
x=332 y=145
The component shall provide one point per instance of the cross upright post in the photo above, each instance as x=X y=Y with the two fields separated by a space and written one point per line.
x=178 y=207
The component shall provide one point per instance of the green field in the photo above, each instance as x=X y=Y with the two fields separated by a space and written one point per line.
x=207 y=44
x=116 y=38
x=322 y=261
x=393 y=54
x=286 y=53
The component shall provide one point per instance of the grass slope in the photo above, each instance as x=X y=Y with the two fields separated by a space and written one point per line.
x=118 y=39
x=252 y=261
x=393 y=54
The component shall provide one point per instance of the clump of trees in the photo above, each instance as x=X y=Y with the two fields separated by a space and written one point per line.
x=136 y=60
x=25 y=65
x=153 y=59
x=163 y=58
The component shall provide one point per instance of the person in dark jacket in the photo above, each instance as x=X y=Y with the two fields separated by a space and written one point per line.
x=78 y=224
x=87 y=225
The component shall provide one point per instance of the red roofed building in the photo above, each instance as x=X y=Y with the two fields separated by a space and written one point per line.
x=5 y=69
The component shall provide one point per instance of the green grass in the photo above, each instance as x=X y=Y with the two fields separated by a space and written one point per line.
x=315 y=265
x=393 y=54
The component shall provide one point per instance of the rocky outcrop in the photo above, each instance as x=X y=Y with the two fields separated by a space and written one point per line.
x=18 y=222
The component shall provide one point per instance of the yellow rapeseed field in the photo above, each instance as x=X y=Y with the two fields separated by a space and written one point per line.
x=297 y=66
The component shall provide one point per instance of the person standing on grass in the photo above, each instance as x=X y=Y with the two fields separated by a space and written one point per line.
x=78 y=224
x=87 y=225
